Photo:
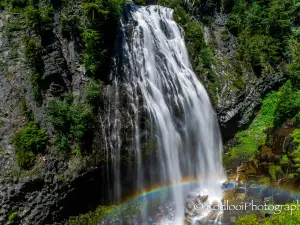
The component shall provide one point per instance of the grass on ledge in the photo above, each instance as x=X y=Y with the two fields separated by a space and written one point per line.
x=249 y=140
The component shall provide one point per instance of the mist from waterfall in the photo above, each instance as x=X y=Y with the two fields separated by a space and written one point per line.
x=174 y=130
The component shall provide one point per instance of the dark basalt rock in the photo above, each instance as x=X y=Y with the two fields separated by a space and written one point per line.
x=239 y=111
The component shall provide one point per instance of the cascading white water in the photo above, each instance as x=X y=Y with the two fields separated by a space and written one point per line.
x=163 y=92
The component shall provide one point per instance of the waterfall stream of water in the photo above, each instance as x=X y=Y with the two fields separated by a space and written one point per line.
x=168 y=110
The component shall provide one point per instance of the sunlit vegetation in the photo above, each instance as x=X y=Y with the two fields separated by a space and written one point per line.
x=268 y=42
x=72 y=122
x=287 y=214
x=249 y=140
x=100 y=30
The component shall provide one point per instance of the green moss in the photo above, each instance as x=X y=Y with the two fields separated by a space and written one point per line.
x=62 y=178
x=91 y=218
x=13 y=217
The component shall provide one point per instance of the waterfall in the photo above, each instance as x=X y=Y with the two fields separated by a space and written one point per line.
x=163 y=128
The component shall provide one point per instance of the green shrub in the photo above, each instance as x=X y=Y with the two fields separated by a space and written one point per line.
x=25 y=159
x=23 y=107
x=37 y=94
x=71 y=121
x=171 y=3
x=284 y=160
x=297 y=119
x=139 y=2
x=296 y=153
x=92 y=92
x=92 y=54
x=80 y=123
x=30 y=138
x=266 y=181
x=296 y=136
x=250 y=219
x=28 y=142
x=59 y=111
x=288 y=104
x=39 y=18
x=99 y=34
x=25 y=112
x=33 y=51
x=18 y=3
x=70 y=24
x=32 y=16
x=275 y=172
x=284 y=216
x=225 y=35
x=181 y=16
x=46 y=15
x=106 y=11
x=262 y=28
x=294 y=67
x=258 y=50
x=62 y=143
x=115 y=8
x=36 y=87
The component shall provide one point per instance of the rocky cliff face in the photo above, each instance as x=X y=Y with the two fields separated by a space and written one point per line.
x=46 y=192
x=238 y=90
x=56 y=187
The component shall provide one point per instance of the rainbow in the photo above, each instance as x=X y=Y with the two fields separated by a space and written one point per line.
x=152 y=192
x=138 y=199
x=186 y=182
x=155 y=191
x=158 y=188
